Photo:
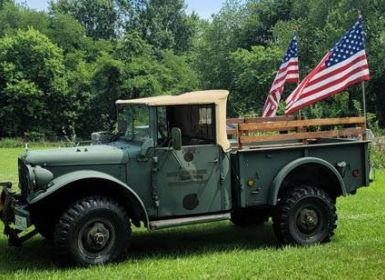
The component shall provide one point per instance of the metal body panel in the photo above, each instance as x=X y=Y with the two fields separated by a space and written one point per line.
x=82 y=155
x=192 y=181
x=268 y=167
x=64 y=180
x=277 y=182
x=139 y=179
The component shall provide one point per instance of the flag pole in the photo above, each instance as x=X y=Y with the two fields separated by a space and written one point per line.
x=299 y=78
x=363 y=96
x=363 y=99
x=364 y=135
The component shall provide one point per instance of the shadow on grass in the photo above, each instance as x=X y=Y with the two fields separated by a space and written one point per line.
x=38 y=254
x=201 y=239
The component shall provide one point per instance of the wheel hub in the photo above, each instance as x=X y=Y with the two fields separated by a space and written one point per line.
x=96 y=237
x=307 y=220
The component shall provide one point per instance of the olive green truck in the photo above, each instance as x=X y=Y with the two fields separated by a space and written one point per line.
x=169 y=163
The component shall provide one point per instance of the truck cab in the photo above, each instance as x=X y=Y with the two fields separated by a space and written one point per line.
x=184 y=152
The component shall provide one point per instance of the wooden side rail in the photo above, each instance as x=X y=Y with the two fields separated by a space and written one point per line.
x=271 y=126
x=296 y=129
x=232 y=126
x=233 y=123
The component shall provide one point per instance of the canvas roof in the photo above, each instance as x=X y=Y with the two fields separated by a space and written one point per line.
x=189 y=98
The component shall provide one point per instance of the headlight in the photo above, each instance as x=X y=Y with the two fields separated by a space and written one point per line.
x=38 y=176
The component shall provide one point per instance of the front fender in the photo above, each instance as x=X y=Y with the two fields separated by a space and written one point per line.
x=66 y=179
x=278 y=180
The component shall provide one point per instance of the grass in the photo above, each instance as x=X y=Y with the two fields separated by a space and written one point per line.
x=220 y=250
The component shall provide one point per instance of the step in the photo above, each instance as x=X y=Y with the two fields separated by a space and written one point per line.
x=161 y=224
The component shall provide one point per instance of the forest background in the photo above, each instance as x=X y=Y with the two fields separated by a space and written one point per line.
x=61 y=70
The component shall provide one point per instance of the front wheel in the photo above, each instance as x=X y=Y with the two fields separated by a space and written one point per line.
x=305 y=215
x=94 y=230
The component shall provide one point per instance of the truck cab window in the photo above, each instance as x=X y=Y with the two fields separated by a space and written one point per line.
x=134 y=122
x=195 y=121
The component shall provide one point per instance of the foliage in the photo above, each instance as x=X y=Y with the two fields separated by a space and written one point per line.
x=377 y=156
x=13 y=18
x=99 y=17
x=66 y=32
x=29 y=95
x=61 y=71
x=62 y=75
x=252 y=72
x=165 y=25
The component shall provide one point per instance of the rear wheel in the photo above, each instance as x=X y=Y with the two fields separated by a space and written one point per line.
x=94 y=230
x=305 y=215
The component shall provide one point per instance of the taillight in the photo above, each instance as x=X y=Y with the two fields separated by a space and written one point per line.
x=356 y=173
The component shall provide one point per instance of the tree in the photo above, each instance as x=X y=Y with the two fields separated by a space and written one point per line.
x=32 y=83
x=165 y=25
x=14 y=17
x=252 y=74
x=67 y=32
x=99 y=17
x=218 y=40
x=22 y=108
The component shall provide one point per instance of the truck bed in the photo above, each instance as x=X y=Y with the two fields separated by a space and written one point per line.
x=263 y=162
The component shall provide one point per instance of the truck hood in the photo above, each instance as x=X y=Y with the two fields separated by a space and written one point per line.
x=83 y=155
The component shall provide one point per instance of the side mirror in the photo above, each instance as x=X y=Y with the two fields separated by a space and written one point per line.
x=176 y=138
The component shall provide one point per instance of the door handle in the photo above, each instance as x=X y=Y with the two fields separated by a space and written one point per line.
x=214 y=161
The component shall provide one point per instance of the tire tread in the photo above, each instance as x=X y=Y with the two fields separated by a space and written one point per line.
x=281 y=215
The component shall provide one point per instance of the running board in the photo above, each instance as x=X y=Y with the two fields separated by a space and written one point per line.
x=188 y=221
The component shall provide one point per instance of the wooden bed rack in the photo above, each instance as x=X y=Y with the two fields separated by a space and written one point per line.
x=256 y=130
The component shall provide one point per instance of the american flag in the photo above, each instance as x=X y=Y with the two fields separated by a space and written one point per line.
x=344 y=65
x=287 y=73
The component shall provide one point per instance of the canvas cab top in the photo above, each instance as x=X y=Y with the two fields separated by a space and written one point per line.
x=217 y=98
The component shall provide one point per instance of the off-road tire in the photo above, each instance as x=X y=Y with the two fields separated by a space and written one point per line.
x=301 y=209
x=86 y=225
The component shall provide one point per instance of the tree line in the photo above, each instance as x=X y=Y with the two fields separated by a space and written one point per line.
x=62 y=70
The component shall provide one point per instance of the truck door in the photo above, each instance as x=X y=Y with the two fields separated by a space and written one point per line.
x=187 y=181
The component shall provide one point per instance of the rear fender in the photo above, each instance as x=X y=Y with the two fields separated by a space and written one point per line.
x=279 y=179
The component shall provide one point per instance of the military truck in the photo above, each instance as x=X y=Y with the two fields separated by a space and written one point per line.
x=170 y=163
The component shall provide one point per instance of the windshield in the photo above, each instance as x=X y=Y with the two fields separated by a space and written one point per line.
x=134 y=123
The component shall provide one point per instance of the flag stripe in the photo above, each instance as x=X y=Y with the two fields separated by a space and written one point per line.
x=329 y=76
x=295 y=94
x=332 y=81
x=283 y=78
x=329 y=91
x=282 y=71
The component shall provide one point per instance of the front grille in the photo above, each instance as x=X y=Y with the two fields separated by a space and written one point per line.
x=23 y=179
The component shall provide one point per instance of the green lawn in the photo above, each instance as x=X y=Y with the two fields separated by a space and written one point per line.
x=220 y=250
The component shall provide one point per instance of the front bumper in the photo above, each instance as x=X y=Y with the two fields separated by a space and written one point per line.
x=15 y=216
